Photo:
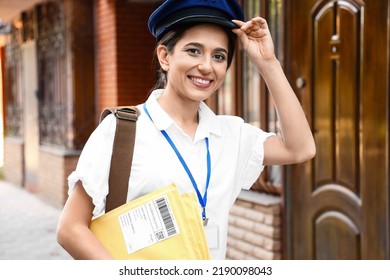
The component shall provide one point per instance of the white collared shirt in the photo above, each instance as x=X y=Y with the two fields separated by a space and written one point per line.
x=236 y=150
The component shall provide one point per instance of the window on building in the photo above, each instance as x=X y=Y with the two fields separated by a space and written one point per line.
x=275 y=22
x=245 y=94
x=227 y=96
x=251 y=83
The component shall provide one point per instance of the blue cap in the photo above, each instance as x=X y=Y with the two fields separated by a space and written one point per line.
x=174 y=12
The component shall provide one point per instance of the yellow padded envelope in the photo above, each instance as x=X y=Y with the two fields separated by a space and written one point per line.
x=160 y=225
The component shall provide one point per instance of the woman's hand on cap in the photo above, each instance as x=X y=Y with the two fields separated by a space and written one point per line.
x=256 y=39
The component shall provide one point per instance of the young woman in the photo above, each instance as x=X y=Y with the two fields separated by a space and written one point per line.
x=222 y=154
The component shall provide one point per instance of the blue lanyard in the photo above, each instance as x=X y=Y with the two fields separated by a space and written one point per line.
x=202 y=200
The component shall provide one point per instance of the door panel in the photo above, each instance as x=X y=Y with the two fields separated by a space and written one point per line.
x=336 y=231
x=328 y=209
x=336 y=93
x=335 y=40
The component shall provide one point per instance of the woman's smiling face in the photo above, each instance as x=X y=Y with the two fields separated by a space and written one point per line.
x=196 y=67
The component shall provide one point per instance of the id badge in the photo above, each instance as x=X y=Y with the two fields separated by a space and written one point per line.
x=212 y=235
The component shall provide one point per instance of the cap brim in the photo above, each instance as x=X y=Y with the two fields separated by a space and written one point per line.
x=198 y=19
x=206 y=19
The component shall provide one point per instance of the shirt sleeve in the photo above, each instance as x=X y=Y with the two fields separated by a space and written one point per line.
x=251 y=154
x=94 y=164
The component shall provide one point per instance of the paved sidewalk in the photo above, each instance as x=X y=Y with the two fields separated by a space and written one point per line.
x=27 y=226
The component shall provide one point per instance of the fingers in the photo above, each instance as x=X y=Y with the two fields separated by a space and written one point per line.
x=238 y=22
x=255 y=38
x=254 y=24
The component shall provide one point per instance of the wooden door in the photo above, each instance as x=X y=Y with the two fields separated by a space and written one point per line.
x=337 y=205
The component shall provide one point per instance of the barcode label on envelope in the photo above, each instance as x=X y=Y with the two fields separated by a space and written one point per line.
x=148 y=224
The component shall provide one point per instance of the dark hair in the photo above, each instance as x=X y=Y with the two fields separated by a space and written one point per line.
x=170 y=39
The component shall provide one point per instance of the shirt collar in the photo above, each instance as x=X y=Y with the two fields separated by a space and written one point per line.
x=160 y=118
x=208 y=121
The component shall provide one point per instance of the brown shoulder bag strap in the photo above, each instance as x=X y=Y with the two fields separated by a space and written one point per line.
x=122 y=154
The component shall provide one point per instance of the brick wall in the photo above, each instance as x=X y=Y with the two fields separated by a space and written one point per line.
x=255 y=227
x=106 y=53
x=54 y=167
x=14 y=161
x=124 y=52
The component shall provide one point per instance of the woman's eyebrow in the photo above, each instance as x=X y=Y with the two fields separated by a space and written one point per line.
x=199 y=45
x=221 y=50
